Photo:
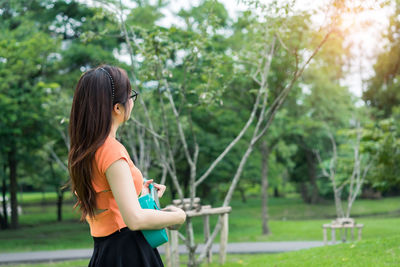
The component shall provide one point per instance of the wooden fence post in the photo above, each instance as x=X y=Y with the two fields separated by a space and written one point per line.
x=206 y=220
x=168 y=251
x=224 y=238
x=205 y=211
x=174 y=248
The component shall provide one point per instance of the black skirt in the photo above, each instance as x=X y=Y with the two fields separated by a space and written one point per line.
x=124 y=248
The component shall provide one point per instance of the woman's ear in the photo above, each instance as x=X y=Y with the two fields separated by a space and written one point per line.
x=117 y=109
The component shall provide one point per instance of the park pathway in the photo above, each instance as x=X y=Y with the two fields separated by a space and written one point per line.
x=233 y=248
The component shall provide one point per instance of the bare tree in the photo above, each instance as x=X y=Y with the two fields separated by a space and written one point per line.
x=265 y=153
x=361 y=166
x=331 y=173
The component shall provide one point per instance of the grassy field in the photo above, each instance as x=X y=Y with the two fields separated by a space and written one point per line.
x=372 y=252
x=66 y=235
x=279 y=208
x=290 y=220
x=40 y=197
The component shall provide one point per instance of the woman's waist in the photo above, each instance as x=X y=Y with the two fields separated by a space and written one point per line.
x=105 y=223
x=98 y=239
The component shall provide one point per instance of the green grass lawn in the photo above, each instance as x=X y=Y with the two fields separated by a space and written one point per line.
x=296 y=209
x=48 y=236
x=69 y=234
x=40 y=197
x=371 y=252
x=279 y=208
x=290 y=220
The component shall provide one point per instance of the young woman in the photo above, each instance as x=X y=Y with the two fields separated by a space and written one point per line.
x=105 y=180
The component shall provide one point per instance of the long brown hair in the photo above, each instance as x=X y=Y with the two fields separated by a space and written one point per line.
x=90 y=124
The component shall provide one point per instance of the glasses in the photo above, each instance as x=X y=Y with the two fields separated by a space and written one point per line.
x=134 y=95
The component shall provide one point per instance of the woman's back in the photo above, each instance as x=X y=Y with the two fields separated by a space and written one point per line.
x=108 y=218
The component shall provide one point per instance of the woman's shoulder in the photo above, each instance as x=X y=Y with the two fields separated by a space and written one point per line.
x=110 y=151
x=110 y=144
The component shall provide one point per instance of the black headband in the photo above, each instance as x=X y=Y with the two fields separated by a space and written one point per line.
x=112 y=84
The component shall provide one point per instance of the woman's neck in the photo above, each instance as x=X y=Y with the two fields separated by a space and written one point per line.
x=113 y=131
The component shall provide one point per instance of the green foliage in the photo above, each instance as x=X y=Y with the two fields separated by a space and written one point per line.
x=208 y=63
x=24 y=51
x=383 y=138
x=383 y=91
x=42 y=55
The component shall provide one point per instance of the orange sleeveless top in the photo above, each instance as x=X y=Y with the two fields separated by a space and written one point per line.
x=110 y=220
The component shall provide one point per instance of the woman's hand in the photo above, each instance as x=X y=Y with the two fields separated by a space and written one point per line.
x=180 y=214
x=159 y=187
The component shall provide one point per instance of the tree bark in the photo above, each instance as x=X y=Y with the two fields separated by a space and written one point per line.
x=276 y=192
x=60 y=193
x=190 y=244
x=265 y=152
x=4 y=223
x=312 y=174
x=60 y=198
x=12 y=163
x=304 y=192
x=242 y=194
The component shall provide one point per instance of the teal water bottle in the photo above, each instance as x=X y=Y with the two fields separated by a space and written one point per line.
x=150 y=201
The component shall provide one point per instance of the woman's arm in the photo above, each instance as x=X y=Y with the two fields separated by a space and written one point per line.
x=120 y=179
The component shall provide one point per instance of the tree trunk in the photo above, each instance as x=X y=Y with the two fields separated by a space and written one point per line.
x=276 y=192
x=60 y=198
x=21 y=193
x=304 y=192
x=338 y=202
x=264 y=186
x=242 y=194
x=60 y=193
x=190 y=244
x=312 y=174
x=4 y=222
x=12 y=163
